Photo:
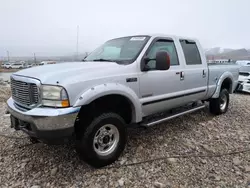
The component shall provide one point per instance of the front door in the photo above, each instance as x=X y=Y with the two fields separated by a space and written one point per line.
x=158 y=89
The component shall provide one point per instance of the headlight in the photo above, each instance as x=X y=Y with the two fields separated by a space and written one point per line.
x=54 y=96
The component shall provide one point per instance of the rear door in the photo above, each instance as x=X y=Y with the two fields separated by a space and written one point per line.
x=195 y=73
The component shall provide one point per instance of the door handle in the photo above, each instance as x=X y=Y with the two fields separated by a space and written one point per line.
x=203 y=74
x=181 y=75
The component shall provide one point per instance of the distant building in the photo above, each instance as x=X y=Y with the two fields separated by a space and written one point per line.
x=219 y=61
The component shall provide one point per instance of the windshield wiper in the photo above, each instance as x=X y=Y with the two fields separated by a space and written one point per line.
x=101 y=59
x=108 y=60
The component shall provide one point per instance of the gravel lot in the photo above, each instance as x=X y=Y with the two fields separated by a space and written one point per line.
x=200 y=136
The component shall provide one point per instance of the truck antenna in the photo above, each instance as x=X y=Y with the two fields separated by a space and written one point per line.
x=77 y=38
x=8 y=56
x=35 y=58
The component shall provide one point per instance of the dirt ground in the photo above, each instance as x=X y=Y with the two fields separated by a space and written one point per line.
x=196 y=150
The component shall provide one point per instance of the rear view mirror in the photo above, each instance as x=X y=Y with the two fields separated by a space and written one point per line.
x=162 y=60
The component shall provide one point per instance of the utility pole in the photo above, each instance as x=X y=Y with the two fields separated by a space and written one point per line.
x=35 y=58
x=8 y=55
x=77 y=38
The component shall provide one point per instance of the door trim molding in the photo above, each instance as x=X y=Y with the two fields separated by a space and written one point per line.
x=174 y=97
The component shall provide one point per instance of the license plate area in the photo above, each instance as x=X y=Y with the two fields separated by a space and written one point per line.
x=14 y=122
x=19 y=124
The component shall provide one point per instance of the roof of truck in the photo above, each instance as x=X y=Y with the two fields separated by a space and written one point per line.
x=160 y=35
x=172 y=36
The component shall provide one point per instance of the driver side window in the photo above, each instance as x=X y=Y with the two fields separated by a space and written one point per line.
x=162 y=45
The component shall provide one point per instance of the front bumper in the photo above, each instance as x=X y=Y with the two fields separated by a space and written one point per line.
x=245 y=87
x=49 y=125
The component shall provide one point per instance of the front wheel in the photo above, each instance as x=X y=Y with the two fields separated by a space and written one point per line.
x=103 y=141
x=220 y=105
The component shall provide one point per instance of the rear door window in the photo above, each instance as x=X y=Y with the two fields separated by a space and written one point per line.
x=191 y=52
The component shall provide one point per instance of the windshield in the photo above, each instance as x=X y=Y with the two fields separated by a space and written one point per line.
x=120 y=50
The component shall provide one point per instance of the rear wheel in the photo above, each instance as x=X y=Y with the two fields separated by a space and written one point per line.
x=220 y=105
x=103 y=140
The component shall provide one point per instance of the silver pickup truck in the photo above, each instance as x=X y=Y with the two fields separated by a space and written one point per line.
x=126 y=81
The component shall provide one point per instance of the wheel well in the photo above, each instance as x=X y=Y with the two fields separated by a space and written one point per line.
x=109 y=103
x=227 y=84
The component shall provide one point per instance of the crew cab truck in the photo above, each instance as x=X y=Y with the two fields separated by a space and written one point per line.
x=126 y=81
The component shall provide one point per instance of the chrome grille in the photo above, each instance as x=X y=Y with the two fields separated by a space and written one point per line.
x=25 y=94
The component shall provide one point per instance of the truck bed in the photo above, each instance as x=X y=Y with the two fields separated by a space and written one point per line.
x=215 y=70
x=221 y=64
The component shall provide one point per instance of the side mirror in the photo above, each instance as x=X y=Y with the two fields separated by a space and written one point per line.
x=162 y=60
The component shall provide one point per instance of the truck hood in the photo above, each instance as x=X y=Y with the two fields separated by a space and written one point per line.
x=65 y=72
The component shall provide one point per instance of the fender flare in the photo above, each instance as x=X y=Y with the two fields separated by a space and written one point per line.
x=102 y=90
x=224 y=76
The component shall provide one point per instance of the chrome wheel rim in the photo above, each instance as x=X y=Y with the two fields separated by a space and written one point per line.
x=106 y=140
x=223 y=102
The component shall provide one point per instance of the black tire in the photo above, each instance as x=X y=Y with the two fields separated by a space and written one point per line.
x=215 y=106
x=85 y=142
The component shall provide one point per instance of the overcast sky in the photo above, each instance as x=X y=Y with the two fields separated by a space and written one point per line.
x=48 y=27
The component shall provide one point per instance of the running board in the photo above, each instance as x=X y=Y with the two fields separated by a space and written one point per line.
x=148 y=124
